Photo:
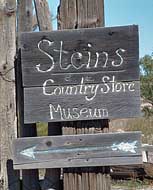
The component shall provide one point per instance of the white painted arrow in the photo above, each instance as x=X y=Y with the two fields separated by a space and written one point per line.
x=126 y=147
x=29 y=152
x=123 y=146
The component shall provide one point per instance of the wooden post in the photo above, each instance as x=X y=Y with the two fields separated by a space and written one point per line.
x=84 y=14
x=9 y=179
x=30 y=178
x=25 y=15
x=52 y=176
x=43 y=15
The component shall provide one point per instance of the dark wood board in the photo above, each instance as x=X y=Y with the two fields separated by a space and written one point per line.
x=39 y=107
x=80 y=47
x=77 y=65
x=77 y=150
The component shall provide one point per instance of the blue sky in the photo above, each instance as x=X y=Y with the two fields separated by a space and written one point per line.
x=126 y=12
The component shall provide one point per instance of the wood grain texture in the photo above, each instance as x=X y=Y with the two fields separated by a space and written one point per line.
x=79 y=15
x=9 y=179
x=43 y=15
x=78 y=151
x=52 y=176
x=147 y=148
x=25 y=18
x=101 y=40
x=78 y=18
x=39 y=107
x=65 y=71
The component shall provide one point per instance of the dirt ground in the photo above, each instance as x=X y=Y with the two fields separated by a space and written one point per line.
x=132 y=185
x=132 y=188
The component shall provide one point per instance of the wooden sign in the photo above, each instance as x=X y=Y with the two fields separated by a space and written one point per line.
x=80 y=74
x=77 y=151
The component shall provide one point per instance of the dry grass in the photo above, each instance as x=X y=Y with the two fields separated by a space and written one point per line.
x=42 y=129
x=145 y=125
x=132 y=185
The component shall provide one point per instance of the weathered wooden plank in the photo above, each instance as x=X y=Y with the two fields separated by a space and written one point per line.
x=43 y=15
x=67 y=15
x=25 y=17
x=82 y=162
x=64 y=55
x=77 y=150
x=94 y=105
x=80 y=16
x=124 y=172
x=52 y=176
x=28 y=130
x=88 y=77
x=9 y=179
x=147 y=147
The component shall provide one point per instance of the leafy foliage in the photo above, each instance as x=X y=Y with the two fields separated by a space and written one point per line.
x=146 y=65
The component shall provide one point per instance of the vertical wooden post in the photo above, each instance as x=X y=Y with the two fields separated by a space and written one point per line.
x=24 y=15
x=52 y=176
x=84 y=14
x=43 y=15
x=9 y=179
x=30 y=178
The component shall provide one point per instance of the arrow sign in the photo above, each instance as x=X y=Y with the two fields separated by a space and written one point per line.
x=77 y=150
x=124 y=147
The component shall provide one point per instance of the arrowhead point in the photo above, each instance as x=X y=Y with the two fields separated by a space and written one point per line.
x=29 y=152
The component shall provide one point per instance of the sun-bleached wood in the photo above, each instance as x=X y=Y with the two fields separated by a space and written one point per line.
x=52 y=176
x=109 y=52
x=83 y=14
x=9 y=179
x=68 y=82
x=78 y=150
x=43 y=15
x=24 y=23
x=41 y=108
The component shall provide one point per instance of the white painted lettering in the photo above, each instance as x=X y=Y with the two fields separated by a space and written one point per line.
x=54 y=110
x=76 y=56
x=75 y=113
x=105 y=89
x=89 y=55
x=61 y=51
x=45 y=85
x=118 y=54
x=57 y=112
x=84 y=112
x=93 y=92
x=50 y=57
x=131 y=87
